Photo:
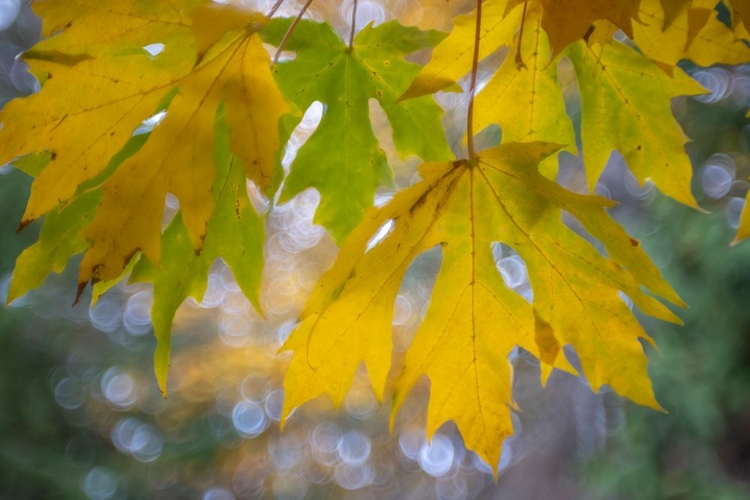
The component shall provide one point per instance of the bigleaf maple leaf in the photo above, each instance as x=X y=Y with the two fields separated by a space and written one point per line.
x=211 y=55
x=474 y=320
x=524 y=97
x=342 y=159
x=235 y=233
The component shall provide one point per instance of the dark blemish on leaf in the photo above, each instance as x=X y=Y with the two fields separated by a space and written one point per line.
x=634 y=242
x=23 y=224
x=639 y=147
x=53 y=156
x=420 y=201
x=70 y=23
x=352 y=275
x=79 y=292
x=203 y=239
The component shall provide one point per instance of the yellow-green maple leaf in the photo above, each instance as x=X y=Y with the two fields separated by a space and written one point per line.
x=474 y=319
x=102 y=85
x=625 y=106
x=235 y=234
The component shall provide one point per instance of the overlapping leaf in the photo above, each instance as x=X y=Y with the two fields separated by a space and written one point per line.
x=693 y=33
x=474 y=319
x=342 y=159
x=615 y=80
x=235 y=234
x=525 y=100
x=566 y=21
x=83 y=129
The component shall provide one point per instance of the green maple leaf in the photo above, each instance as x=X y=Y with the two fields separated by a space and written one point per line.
x=342 y=158
x=235 y=233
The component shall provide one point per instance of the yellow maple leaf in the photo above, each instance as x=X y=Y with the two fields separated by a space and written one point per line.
x=474 y=320
x=693 y=33
x=526 y=101
x=638 y=93
x=741 y=10
x=102 y=84
x=451 y=60
x=566 y=21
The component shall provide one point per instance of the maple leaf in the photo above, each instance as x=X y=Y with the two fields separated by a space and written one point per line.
x=344 y=79
x=235 y=233
x=84 y=129
x=526 y=102
x=625 y=83
x=741 y=10
x=60 y=236
x=474 y=320
x=452 y=58
x=694 y=33
x=566 y=21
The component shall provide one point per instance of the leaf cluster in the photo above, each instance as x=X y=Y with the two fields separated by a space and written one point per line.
x=182 y=97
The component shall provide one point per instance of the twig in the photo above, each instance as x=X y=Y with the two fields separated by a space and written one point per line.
x=290 y=30
x=473 y=85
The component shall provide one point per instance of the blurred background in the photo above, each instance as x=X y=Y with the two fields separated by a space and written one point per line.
x=81 y=415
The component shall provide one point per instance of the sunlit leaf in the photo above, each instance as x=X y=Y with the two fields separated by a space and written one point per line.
x=342 y=159
x=474 y=319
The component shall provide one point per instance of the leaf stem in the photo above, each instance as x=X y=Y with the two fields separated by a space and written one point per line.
x=290 y=31
x=519 y=58
x=473 y=85
x=354 y=25
x=274 y=8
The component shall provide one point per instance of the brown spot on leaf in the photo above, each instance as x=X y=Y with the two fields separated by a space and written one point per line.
x=23 y=224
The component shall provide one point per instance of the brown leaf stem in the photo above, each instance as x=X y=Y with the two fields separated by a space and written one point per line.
x=519 y=59
x=354 y=25
x=290 y=31
x=473 y=84
x=274 y=8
